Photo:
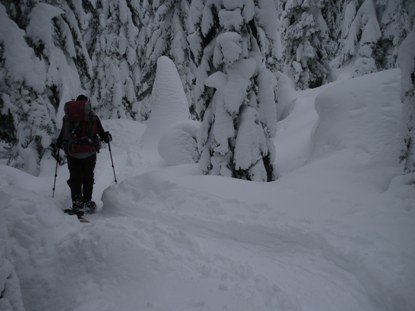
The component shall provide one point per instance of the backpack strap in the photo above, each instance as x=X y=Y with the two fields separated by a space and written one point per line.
x=66 y=127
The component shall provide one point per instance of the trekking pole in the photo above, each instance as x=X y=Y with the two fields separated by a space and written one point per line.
x=56 y=175
x=112 y=162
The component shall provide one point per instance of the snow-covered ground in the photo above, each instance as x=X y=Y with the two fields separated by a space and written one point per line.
x=334 y=232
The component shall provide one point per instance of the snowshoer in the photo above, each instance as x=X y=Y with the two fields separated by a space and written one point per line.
x=79 y=139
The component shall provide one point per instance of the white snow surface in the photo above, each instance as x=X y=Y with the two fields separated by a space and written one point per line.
x=179 y=144
x=169 y=104
x=334 y=232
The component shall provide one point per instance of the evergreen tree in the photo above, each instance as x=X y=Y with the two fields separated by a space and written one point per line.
x=332 y=14
x=395 y=25
x=238 y=103
x=307 y=42
x=360 y=33
x=37 y=73
x=407 y=64
x=115 y=61
x=201 y=40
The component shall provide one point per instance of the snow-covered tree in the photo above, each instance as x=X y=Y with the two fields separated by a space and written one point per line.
x=395 y=25
x=28 y=85
x=115 y=60
x=332 y=14
x=306 y=41
x=238 y=102
x=360 y=33
x=407 y=64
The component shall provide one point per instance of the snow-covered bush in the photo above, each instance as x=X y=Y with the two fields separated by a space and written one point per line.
x=407 y=64
x=179 y=144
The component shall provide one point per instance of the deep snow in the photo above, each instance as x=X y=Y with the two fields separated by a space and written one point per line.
x=334 y=232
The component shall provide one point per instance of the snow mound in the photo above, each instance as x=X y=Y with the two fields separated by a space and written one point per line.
x=179 y=144
x=169 y=103
x=361 y=115
x=31 y=224
x=11 y=298
x=17 y=178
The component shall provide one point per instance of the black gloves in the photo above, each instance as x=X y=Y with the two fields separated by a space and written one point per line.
x=58 y=144
x=55 y=146
x=107 y=137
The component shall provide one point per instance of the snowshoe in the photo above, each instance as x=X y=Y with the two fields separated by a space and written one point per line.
x=77 y=209
x=78 y=213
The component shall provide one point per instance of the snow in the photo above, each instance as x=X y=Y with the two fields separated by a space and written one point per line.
x=169 y=104
x=61 y=69
x=360 y=33
x=285 y=96
x=334 y=232
x=228 y=48
x=348 y=119
x=407 y=62
x=19 y=58
x=246 y=152
x=231 y=20
x=179 y=144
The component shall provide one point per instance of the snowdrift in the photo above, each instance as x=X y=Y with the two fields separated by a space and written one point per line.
x=361 y=115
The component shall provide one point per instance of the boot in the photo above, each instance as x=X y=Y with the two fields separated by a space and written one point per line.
x=90 y=207
x=78 y=208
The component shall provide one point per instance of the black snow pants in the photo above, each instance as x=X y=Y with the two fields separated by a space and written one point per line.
x=81 y=177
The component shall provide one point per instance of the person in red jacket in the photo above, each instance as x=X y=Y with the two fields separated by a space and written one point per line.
x=80 y=138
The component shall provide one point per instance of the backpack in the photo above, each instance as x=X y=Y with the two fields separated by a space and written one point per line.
x=80 y=129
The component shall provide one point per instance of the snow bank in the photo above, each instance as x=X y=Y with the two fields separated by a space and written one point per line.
x=285 y=96
x=11 y=296
x=269 y=247
x=361 y=115
x=31 y=224
x=179 y=144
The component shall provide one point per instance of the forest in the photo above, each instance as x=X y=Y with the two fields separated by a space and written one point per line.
x=51 y=51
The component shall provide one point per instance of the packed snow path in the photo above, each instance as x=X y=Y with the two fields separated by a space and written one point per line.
x=335 y=232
